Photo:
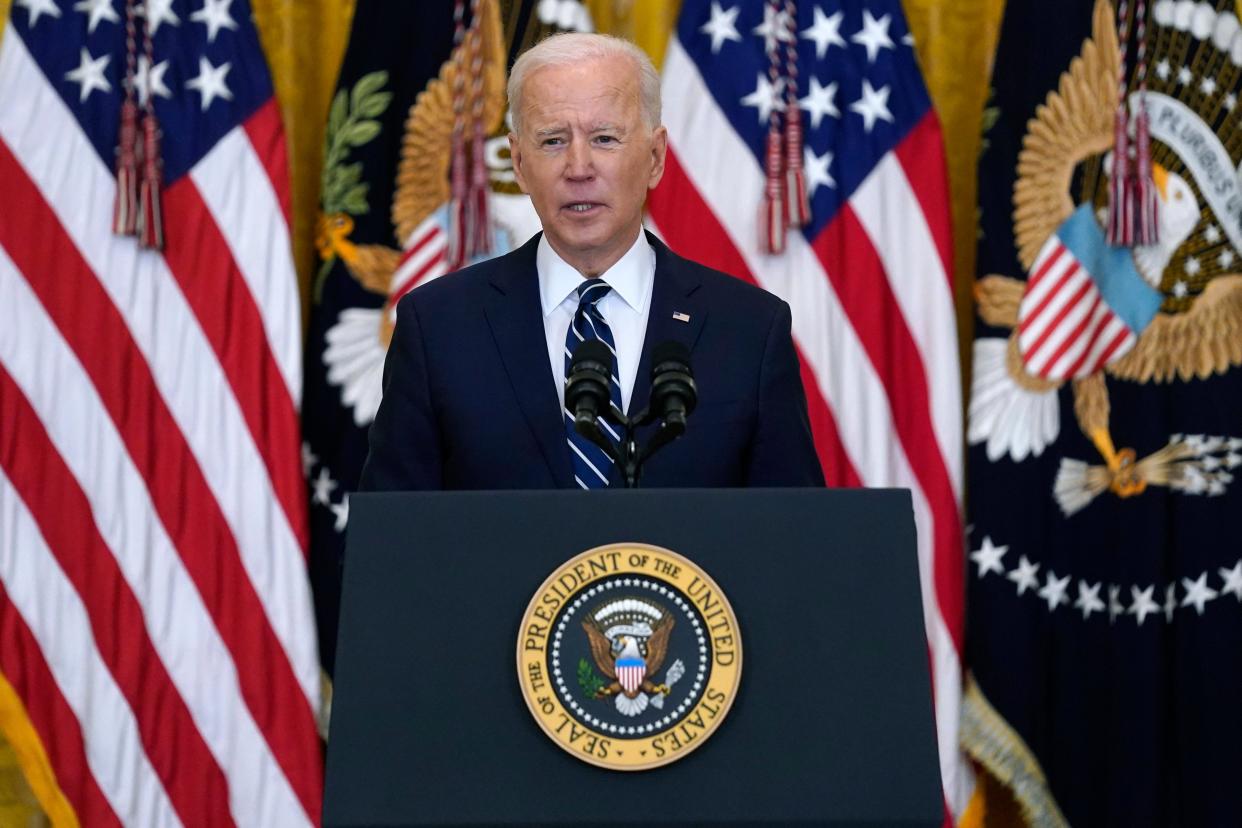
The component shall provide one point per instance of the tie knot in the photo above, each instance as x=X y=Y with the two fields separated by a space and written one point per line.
x=591 y=291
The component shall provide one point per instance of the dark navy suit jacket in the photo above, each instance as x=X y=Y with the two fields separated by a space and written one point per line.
x=470 y=401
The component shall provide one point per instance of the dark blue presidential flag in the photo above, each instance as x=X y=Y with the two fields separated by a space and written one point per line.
x=421 y=94
x=1104 y=631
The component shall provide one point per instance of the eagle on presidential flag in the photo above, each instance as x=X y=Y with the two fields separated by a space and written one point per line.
x=1089 y=310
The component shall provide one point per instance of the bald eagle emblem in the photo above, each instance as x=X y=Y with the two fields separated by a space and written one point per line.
x=629 y=640
x=1089 y=315
x=629 y=655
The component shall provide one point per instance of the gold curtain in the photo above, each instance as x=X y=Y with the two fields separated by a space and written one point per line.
x=18 y=807
x=304 y=41
x=646 y=22
x=955 y=43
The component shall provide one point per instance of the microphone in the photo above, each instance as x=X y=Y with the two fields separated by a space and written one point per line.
x=586 y=388
x=673 y=392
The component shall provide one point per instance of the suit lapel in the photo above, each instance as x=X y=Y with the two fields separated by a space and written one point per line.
x=674 y=292
x=516 y=319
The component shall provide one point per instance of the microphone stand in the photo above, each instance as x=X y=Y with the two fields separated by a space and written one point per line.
x=627 y=454
x=673 y=397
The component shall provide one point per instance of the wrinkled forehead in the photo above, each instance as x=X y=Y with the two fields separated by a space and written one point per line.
x=594 y=93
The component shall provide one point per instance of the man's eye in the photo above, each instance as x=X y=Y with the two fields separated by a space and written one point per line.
x=552 y=142
x=606 y=139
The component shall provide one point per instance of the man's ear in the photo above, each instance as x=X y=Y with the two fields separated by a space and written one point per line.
x=515 y=154
x=659 y=148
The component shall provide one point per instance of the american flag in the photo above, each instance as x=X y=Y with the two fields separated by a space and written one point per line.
x=869 y=279
x=155 y=616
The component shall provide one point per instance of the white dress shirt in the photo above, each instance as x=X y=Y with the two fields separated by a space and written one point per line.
x=625 y=307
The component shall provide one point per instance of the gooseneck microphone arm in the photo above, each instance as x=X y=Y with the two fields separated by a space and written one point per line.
x=673 y=398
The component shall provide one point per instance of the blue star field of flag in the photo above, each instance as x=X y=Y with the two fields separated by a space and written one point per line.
x=207 y=76
x=859 y=86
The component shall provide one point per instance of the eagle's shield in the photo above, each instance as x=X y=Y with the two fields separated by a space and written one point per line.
x=630 y=673
x=1085 y=304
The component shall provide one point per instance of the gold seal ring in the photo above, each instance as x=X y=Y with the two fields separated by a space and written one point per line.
x=629 y=656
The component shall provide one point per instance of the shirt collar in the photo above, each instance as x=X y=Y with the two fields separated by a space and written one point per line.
x=629 y=278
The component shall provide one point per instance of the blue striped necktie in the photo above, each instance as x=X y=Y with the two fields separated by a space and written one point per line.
x=591 y=466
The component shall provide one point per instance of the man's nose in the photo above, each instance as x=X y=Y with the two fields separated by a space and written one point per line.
x=578 y=162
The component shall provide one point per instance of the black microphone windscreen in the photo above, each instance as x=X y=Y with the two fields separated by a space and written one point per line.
x=590 y=350
x=670 y=355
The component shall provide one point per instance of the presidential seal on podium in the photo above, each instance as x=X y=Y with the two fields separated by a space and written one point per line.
x=629 y=656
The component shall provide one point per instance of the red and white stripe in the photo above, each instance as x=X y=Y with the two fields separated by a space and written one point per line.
x=1065 y=328
x=425 y=257
x=874 y=324
x=631 y=678
x=152 y=550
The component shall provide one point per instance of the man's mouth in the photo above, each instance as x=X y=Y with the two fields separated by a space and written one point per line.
x=582 y=206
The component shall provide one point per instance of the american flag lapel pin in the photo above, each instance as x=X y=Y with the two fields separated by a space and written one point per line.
x=681 y=317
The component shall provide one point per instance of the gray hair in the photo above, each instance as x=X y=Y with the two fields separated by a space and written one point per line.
x=568 y=48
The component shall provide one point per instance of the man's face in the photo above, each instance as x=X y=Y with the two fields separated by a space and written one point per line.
x=587 y=158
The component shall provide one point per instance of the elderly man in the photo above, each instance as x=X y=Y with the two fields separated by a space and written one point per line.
x=474 y=381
